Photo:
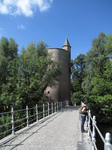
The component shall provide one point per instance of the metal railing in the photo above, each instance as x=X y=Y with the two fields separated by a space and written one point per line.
x=92 y=134
x=12 y=121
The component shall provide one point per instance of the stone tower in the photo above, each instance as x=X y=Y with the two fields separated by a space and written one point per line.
x=61 y=90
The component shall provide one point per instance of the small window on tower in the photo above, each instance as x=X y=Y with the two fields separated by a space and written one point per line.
x=48 y=92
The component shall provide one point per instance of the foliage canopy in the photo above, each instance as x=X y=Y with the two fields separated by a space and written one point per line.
x=25 y=76
x=96 y=83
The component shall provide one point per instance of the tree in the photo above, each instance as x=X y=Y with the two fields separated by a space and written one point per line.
x=97 y=83
x=8 y=52
x=30 y=73
x=4 y=43
x=77 y=78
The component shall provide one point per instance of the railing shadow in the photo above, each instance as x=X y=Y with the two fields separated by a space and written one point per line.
x=42 y=123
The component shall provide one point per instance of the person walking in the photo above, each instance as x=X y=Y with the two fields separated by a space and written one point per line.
x=84 y=114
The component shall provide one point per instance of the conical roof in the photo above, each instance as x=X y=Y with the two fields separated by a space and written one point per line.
x=66 y=43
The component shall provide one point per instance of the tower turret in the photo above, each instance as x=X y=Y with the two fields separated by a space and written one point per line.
x=67 y=46
x=60 y=90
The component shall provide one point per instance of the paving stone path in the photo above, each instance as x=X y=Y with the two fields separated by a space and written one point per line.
x=61 y=131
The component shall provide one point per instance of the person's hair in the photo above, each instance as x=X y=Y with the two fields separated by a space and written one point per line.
x=85 y=102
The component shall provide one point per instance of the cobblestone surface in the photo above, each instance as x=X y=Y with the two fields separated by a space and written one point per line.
x=59 y=132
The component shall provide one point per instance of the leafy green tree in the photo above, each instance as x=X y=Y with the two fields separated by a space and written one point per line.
x=4 y=43
x=30 y=73
x=77 y=78
x=8 y=52
x=97 y=83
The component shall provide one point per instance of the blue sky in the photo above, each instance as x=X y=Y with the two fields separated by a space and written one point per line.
x=53 y=20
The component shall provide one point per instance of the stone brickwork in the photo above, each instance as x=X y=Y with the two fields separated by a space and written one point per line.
x=61 y=90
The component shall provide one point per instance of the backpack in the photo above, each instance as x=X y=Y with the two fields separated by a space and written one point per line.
x=80 y=110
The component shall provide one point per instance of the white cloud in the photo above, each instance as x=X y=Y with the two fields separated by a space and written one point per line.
x=21 y=26
x=23 y=7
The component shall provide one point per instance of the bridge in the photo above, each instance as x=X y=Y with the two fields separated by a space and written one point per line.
x=58 y=131
x=50 y=127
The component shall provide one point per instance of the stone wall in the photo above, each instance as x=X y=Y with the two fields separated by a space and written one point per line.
x=60 y=91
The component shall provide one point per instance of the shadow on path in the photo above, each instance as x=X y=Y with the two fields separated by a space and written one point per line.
x=40 y=124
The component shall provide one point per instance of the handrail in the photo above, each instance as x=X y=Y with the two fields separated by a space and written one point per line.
x=100 y=134
x=19 y=119
x=92 y=134
x=3 y=113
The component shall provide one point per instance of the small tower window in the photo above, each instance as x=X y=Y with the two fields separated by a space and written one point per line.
x=48 y=92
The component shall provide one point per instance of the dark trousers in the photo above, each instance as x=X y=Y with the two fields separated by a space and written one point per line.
x=83 y=118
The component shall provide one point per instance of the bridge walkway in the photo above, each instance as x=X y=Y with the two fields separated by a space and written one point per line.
x=60 y=131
